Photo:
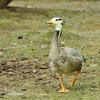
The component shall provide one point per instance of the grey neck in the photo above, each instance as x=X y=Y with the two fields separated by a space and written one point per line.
x=56 y=37
x=55 y=49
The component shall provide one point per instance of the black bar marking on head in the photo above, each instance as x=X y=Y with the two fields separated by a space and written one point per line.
x=58 y=19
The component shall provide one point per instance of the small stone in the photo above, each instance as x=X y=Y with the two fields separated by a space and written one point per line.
x=56 y=77
x=36 y=60
x=9 y=70
x=14 y=60
x=24 y=58
x=14 y=44
x=3 y=62
x=15 y=93
x=35 y=71
x=23 y=89
x=39 y=78
x=43 y=67
x=29 y=6
x=20 y=37
x=92 y=88
x=2 y=93
x=62 y=42
x=43 y=46
x=46 y=55
x=11 y=73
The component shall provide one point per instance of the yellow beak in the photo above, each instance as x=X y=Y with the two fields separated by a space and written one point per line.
x=49 y=22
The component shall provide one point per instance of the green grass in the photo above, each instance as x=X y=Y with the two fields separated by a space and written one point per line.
x=81 y=30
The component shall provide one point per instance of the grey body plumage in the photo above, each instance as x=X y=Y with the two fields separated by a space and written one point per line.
x=64 y=60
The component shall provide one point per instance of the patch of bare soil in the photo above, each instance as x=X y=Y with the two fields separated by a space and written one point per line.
x=12 y=73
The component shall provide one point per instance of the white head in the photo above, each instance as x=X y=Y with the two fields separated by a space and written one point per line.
x=57 y=22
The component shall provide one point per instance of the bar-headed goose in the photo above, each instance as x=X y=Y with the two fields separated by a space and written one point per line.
x=63 y=60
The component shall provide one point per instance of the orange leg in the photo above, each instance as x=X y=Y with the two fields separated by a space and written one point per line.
x=63 y=88
x=74 y=79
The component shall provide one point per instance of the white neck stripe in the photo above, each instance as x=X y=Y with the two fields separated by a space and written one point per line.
x=58 y=27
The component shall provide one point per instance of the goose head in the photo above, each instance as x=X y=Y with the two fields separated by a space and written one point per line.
x=57 y=22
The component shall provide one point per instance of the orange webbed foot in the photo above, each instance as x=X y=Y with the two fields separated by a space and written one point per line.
x=63 y=90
